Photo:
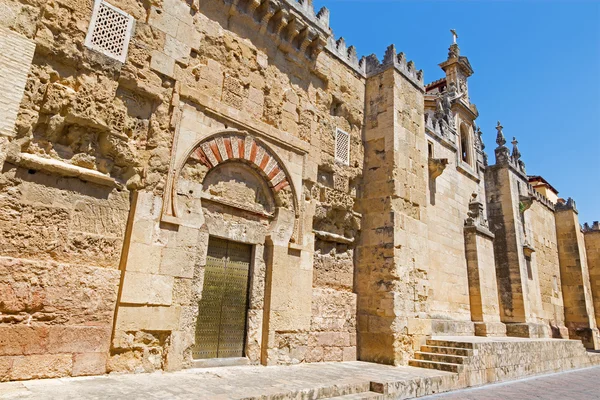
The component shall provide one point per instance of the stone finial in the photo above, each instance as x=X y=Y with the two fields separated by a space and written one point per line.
x=453 y=51
x=480 y=137
x=516 y=154
x=476 y=214
x=500 y=140
x=502 y=152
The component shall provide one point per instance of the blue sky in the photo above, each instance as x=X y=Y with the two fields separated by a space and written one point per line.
x=537 y=70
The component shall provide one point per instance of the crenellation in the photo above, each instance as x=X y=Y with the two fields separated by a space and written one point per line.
x=594 y=228
x=398 y=61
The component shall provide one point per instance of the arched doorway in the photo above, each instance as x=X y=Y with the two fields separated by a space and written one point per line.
x=235 y=190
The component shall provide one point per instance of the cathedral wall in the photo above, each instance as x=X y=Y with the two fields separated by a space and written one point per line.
x=592 y=247
x=446 y=212
x=541 y=228
x=59 y=273
x=102 y=135
x=579 y=306
x=391 y=264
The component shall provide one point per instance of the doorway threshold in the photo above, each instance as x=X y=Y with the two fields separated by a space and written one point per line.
x=220 y=362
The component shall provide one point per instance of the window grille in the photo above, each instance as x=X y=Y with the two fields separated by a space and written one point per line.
x=342 y=146
x=109 y=31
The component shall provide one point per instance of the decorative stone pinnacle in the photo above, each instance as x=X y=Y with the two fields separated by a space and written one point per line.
x=516 y=154
x=500 y=140
x=480 y=137
x=453 y=51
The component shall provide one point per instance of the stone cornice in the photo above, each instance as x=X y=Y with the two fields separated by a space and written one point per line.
x=479 y=230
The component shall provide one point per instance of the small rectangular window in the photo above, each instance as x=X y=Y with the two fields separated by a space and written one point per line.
x=342 y=146
x=430 y=149
x=529 y=271
x=109 y=31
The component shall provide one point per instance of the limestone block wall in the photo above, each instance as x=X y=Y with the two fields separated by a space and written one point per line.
x=84 y=135
x=541 y=228
x=502 y=224
x=575 y=278
x=122 y=125
x=391 y=273
x=59 y=273
x=518 y=283
x=447 y=208
x=233 y=79
x=592 y=248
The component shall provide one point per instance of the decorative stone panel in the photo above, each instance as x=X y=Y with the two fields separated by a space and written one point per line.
x=342 y=146
x=109 y=31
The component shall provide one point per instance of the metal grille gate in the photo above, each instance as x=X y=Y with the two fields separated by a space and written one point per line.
x=222 y=311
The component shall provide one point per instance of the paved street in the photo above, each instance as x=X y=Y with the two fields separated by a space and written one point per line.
x=583 y=384
x=309 y=381
x=306 y=381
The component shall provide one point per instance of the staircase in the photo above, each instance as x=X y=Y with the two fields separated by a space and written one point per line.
x=444 y=355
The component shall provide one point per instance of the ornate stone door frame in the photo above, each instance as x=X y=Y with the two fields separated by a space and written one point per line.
x=234 y=146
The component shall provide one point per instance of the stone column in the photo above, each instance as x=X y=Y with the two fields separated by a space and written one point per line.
x=481 y=268
x=391 y=255
x=579 y=308
x=592 y=249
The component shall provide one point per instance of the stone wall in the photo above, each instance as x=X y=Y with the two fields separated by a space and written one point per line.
x=447 y=208
x=59 y=273
x=391 y=275
x=579 y=307
x=233 y=80
x=520 y=297
x=541 y=228
x=592 y=247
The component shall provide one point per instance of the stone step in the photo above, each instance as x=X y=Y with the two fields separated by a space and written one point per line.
x=441 y=366
x=456 y=351
x=361 y=396
x=446 y=358
x=449 y=343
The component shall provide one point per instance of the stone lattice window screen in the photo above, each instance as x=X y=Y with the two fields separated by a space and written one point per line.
x=342 y=146
x=109 y=31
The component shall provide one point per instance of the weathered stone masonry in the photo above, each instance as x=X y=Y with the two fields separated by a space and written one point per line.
x=365 y=198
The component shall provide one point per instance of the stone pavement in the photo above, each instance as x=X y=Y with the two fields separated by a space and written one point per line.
x=579 y=384
x=352 y=380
